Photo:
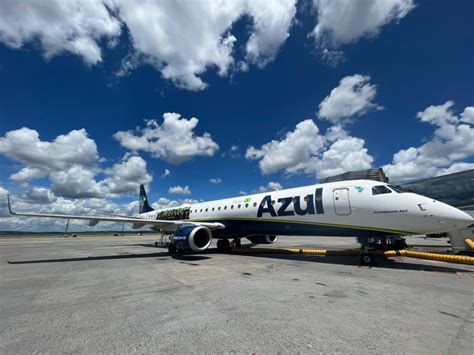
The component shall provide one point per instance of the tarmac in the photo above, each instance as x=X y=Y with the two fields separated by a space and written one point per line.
x=120 y=294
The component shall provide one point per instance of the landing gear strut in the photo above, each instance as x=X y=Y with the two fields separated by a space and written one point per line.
x=372 y=244
x=226 y=245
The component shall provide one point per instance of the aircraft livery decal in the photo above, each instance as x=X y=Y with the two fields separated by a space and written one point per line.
x=174 y=214
x=292 y=205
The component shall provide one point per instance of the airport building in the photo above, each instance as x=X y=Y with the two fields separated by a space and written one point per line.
x=454 y=189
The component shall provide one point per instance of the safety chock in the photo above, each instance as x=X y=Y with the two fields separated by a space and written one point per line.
x=461 y=259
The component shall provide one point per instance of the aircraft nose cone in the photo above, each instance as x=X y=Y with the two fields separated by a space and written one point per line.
x=455 y=217
x=463 y=220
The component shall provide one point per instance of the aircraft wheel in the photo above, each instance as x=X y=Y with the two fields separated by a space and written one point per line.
x=237 y=243
x=367 y=259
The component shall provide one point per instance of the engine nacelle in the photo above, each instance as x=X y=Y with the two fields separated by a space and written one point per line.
x=263 y=239
x=192 y=238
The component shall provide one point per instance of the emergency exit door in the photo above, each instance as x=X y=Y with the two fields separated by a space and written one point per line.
x=342 y=204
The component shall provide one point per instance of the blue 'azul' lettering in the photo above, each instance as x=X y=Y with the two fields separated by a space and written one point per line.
x=309 y=205
x=266 y=207
x=285 y=201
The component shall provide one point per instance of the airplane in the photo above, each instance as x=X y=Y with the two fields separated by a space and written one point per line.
x=370 y=210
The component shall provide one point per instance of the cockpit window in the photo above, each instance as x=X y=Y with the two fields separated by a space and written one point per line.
x=381 y=189
x=397 y=189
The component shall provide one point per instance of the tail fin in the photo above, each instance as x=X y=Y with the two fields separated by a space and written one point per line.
x=144 y=206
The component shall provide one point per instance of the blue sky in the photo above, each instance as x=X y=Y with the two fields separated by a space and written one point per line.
x=250 y=74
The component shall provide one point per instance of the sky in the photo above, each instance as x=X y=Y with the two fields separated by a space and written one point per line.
x=202 y=100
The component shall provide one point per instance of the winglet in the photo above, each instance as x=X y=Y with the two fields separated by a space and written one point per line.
x=9 y=205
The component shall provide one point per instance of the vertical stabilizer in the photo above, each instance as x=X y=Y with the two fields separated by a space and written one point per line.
x=144 y=206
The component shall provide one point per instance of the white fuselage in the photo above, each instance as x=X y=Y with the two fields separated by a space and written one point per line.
x=344 y=208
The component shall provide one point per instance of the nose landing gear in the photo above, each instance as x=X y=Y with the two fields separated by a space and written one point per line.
x=367 y=258
x=369 y=246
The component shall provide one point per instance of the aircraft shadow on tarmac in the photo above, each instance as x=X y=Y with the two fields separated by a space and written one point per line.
x=183 y=257
x=386 y=263
x=383 y=263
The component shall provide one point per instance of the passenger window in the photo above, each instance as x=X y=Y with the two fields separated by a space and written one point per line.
x=201 y=210
x=219 y=208
x=246 y=205
x=238 y=206
x=225 y=207
x=255 y=204
x=207 y=209
x=232 y=207
x=381 y=189
x=213 y=208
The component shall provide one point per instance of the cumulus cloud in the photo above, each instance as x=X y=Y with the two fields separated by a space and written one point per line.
x=306 y=150
x=180 y=190
x=341 y=22
x=41 y=157
x=343 y=155
x=452 y=142
x=271 y=24
x=39 y=195
x=124 y=177
x=173 y=141
x=167 y=203
x=42 y=200
x=184 y=39
x=72 y=26
x=468 y=115
x=271 y=186
x=353 y=97
x=72 y=163
x=233 y=152
x=181 y=39
x=215 y=180
x=292 y=152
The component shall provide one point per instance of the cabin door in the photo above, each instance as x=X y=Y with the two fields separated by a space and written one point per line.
x=342 y=205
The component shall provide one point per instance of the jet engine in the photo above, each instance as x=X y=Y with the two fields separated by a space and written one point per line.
x=263 y=239
x=191 y=238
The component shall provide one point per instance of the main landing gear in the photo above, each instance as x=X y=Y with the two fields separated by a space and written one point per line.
x=226 y=245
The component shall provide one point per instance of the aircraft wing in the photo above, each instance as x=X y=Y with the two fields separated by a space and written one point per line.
x=136 y=221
